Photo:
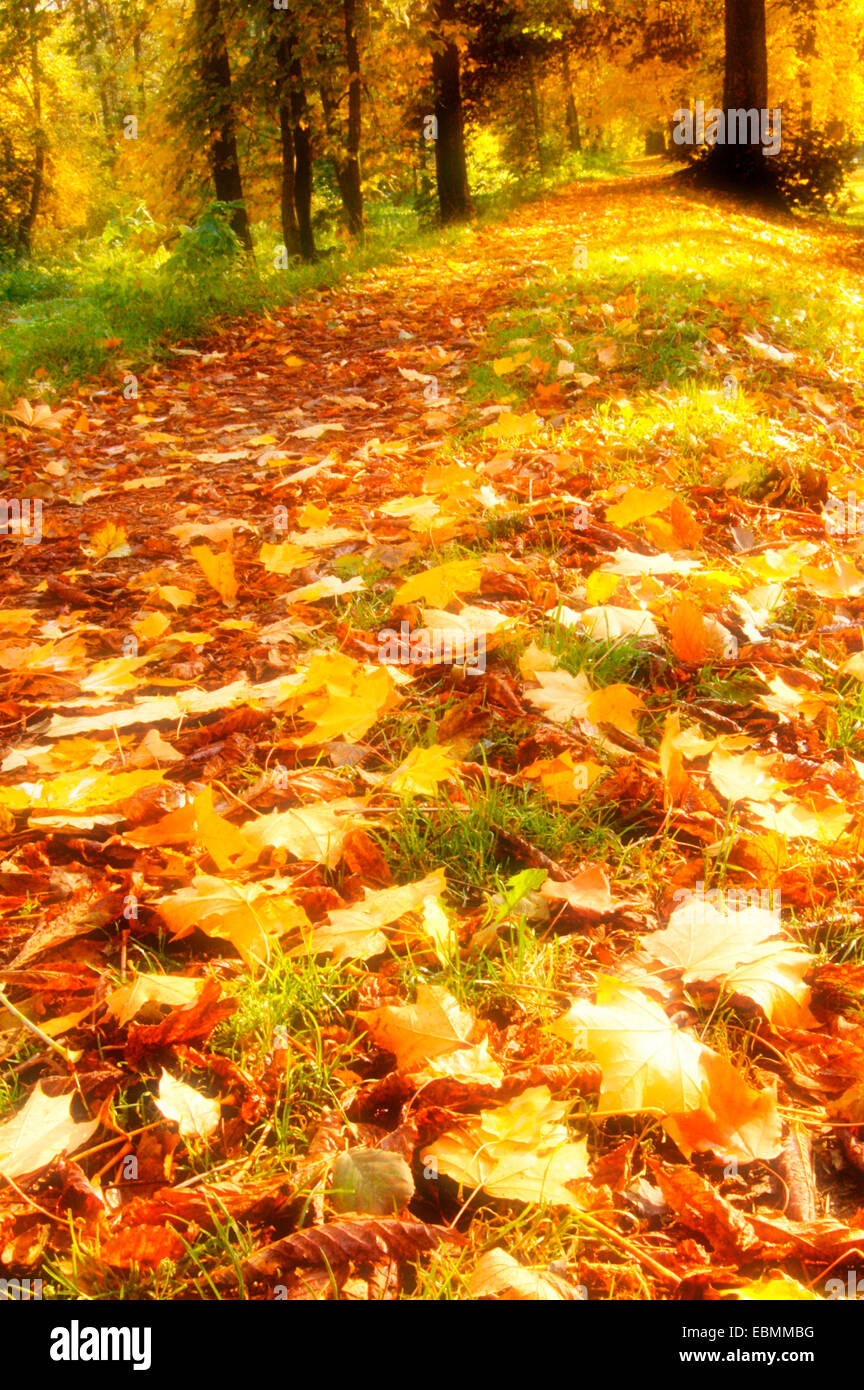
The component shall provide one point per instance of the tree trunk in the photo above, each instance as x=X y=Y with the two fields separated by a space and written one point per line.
x=352 y=192
x=28 y=222
x=215 y=71
x=452 y=173
x=296 y=142
x=743 y=166
x=574 y=135
x=290 y=229
x=536 y=115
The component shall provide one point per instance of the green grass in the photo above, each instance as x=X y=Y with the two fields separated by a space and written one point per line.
x=464 y=837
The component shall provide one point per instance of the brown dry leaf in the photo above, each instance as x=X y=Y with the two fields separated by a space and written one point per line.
x=361 y=1240
x=141 y=1246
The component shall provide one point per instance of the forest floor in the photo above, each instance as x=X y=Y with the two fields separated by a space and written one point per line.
x=432 y=727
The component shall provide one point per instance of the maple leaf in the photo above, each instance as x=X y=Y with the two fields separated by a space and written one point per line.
x=127 y=1001
x=562 y=696
x=438 y=586
x=606 y=623
x=39 y=1132
x=415 y=1033
x=637 y=503
x=284 y=559
x=421 y=773
x=738 y=951
x=315 y=832
x=197 y=820
x=519 y=1151
x=353 y=933
x=649 y=1064
x=498 y=1275
x=78 y=791
x=108 y=540
x=562 y=779
x=218 y=571
x=231 y=910
x=195 y=1114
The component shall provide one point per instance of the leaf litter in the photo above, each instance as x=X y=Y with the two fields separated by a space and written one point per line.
x=341 y=962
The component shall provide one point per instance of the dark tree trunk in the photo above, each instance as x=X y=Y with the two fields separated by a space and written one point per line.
x=536 y=115
x=452 y=173
x=743 y=167
x=347 y=150
x=296 y=141
x=574 y=135
x=302 y=160
x=290 y=229
x=215 y=71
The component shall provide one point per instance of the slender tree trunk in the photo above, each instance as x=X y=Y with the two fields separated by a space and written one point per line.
x=28 y=222
x=296 y=142
x=452 y=173
x=536 y=116
x=290 y=229
x=215 y=71
x=302 y=160
x=108 y=123
x=352 y=192
x=574 y=135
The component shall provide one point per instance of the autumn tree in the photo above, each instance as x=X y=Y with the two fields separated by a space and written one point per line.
x=344 y=131
x=736 y=165
x=214 y=70
x=295 y=131
x=451 y=167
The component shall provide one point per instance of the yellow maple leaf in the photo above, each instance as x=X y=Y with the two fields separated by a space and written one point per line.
x=562 y=696
x=77 y=791
x=108 y=539
x=741 y=953
x=312 y=516
x=520 y=1151
x=503 y=366
x=511 y=426
x=438 y=586
x=355 y=933
x=415 y=1033
x=650 y=1064
x=151 y=626
x=283 y=559
x=245 y=914
x=218 y=571
x=638 y=502
x=616 y=705
x=423 y=770
x=562 y=779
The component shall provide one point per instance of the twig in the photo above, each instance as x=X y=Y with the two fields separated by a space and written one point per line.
x=36 y=1031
